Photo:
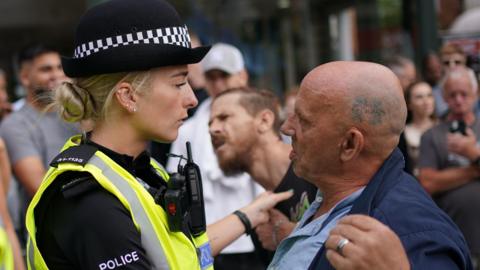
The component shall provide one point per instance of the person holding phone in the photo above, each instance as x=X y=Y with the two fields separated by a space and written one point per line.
x=449 y=161
x=421 y=106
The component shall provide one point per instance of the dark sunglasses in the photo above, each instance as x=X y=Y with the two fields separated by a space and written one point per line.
x=456 y=62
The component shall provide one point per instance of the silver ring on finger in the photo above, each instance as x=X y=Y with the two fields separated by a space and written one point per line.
x=341 y=244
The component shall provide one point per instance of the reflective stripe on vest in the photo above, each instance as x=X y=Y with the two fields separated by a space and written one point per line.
x=31 y=243
x=148 y=236
x=6 y=253
x=165 y=249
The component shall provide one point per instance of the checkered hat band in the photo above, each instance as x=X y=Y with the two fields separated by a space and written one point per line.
x=170 y=35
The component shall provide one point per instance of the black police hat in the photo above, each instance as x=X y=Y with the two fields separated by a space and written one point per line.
x=130 y=35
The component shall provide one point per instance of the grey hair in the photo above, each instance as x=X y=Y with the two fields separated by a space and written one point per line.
x=457 y=73
x=398 y=63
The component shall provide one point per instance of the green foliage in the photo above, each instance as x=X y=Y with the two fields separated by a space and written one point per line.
x=390 y=12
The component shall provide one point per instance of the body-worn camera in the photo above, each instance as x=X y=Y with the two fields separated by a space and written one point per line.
x=458 y=126
x=183 y=198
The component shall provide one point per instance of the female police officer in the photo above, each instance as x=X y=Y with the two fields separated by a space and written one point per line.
x=94 y=209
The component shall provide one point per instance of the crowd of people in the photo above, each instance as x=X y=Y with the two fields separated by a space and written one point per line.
x=362 y=166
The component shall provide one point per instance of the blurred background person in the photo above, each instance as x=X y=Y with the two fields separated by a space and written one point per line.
x=10 y=248
x=421 y=110
x=5 y=106
x=449 y=161
x=33 y=137
x=404 y=68
x=196 y=77
x=289 y=102
x=451 y=56
x=432 y=69
x=288 y=109
x=245 y=130
x=432 y=74
x=406 y=73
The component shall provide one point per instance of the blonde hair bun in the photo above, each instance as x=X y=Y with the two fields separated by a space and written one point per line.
x=74 y=102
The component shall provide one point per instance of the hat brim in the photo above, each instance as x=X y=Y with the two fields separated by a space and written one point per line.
x=129 y=58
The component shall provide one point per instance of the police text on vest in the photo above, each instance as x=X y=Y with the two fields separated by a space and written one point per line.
x=119 y=261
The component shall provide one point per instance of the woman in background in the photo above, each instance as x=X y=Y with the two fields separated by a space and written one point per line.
x=421 y=108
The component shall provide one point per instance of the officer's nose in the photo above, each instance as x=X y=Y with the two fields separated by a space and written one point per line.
x=190 y=100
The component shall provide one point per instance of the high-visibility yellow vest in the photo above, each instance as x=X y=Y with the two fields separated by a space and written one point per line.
x=165 y=249
x=6 y=254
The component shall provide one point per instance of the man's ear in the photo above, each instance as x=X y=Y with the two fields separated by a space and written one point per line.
x=244 y=77
x=265 y=121
x=23 y=74
x=126 y=96
x=351 y=145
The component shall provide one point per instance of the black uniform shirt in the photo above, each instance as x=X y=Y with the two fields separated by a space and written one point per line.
x=83 y=226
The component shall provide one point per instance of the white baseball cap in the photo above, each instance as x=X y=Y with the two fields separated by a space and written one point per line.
x=223 y=57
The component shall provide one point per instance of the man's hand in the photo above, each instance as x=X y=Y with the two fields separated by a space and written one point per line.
x=371 y=245
x=464 y=145
x=275 y=230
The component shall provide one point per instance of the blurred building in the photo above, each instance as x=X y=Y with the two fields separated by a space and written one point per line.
x=281 y=39
x=23 y=22
x=284 y=39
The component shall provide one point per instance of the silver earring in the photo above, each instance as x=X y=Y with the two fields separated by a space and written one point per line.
x=134 y=109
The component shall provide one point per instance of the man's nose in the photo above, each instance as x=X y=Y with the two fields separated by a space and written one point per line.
x=458 y=98
x=220 y=85
x=213 y=127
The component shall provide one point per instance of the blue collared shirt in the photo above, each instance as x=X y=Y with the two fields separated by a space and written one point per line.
x=299 y=248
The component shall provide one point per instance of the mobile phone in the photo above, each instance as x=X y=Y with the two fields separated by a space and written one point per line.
x=458 y=126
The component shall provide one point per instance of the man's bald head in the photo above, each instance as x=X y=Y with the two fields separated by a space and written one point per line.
x=364 y=95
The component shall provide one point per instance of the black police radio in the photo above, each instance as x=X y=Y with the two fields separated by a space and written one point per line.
x=183 y=199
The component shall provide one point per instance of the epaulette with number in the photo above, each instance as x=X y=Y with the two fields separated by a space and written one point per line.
x=80 y=154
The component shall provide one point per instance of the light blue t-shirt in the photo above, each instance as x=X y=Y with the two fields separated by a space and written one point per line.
x=300 y=247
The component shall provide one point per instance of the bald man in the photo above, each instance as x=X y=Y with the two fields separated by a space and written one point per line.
x=347 y=122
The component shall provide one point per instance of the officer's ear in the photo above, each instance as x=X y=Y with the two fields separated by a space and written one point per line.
x=126 y=96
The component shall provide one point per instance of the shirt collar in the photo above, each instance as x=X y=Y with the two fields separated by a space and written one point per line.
x=131 y=164
x=305 y=228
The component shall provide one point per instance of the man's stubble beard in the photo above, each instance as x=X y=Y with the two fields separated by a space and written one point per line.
x=237 y=163
x=232 y=166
